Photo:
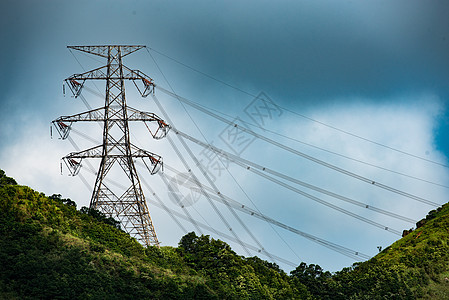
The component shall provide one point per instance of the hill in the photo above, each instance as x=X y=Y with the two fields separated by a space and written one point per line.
x=414 y=267
x=51 y=250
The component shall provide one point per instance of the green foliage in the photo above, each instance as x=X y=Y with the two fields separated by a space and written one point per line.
x=414 y=267
x=233 y=276
x=317 y=281
x=50 y=250
x=59 y=198
x=5 y=180
x=98 y=215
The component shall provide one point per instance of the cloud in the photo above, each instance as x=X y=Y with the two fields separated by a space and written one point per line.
x=407 y=126
x=33 y=160
x=376 y=69
x=321 y=50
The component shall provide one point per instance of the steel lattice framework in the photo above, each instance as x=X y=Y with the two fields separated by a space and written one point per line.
x=128 y=206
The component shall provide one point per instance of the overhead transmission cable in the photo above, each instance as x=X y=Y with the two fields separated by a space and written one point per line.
x=339 y=197
x=173 y=214
x=306 y=234
x=300 y=115
x=318 y=200
x=240 y=187
x=249 y=164
x=299 y=153
x=170 y=188
x=303 y=143
x=241 y=207
x=205 y=174
x=197 y=163
x=323 y=149
x=187 y=216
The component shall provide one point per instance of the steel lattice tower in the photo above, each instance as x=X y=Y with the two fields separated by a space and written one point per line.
x=116 y=152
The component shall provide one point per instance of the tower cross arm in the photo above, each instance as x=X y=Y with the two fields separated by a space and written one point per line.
x=101 y=73
x=94 y=152
x=152 y=162
x=76 y=81
x=73 y=160
x=98 y=73
x=144 y=83
x=63 y=124
x=94 y=115
x=102 y=50
x=158 y=128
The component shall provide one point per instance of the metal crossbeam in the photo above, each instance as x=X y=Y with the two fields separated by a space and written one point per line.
x=103 y=50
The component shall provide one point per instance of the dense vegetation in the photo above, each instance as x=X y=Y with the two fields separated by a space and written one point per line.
x=51 y=250
x=414 y=267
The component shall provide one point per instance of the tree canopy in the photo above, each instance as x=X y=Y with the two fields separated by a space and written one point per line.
x=49 y=250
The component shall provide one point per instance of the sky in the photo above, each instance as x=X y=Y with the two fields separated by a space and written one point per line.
x=360 y=85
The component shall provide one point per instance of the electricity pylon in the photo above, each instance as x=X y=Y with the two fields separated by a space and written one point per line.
x=128 y=206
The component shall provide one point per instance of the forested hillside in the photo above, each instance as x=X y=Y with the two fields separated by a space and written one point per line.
x=51 y=250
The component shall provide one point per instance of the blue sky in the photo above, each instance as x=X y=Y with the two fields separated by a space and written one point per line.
x=376 y=69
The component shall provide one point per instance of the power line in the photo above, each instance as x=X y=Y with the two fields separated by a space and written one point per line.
x=322 y=149
x=240 y=187
x=217 y=211
x=301 y=154
x=174 y=214
x=341 y=249
x=248 y=165
x=319 y=200
x=306 y=144
x=239 y=162
x=298 y=114
x=239 y=206
x=76 y=88
x=168 y=185
x=195 y=159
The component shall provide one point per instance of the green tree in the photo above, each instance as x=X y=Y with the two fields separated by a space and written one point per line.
x=5 y=180
x=318 y=282
x=98 y=215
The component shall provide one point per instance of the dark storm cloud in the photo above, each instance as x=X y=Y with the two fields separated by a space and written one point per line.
x=322 y=49
x=302 y=54
x=311 y=50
